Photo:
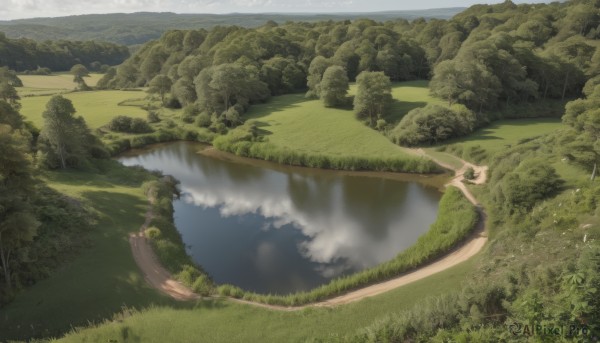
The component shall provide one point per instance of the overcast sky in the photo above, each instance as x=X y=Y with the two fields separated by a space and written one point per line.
x=14 y=9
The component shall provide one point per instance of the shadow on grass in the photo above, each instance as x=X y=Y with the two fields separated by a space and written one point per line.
x=78 y=178
x=277 y=104
x=399 y=109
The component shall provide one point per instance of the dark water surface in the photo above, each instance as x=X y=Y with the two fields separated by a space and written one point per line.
x=278 y=229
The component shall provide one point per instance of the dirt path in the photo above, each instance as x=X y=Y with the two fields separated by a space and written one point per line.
x=162 y=280
x=157 y=276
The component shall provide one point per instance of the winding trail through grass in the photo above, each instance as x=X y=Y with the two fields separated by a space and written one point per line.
x=159 y=278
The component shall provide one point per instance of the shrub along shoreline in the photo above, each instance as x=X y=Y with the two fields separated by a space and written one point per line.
x=166 y=240
x=241 y=143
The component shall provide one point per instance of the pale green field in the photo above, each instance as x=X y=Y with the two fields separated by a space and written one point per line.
x=97 y=107
x=408 y=96
x=56 y=81
x=506 y=133
x=303 y=125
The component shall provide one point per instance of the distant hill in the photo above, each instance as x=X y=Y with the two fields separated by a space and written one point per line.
x=138 y=28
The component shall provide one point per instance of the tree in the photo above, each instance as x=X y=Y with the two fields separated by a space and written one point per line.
x=334 y=86
x=160 y=84
x=315 y=74
x=231 y=84
x=17 y=221
x=184 y=91
x=433 y=123
x=227 y=80
x=10 y=116
x=79 y=71
x=10 y=77
x=63 y=135
x=9 y=94
x=373 y=95
x=469 y=83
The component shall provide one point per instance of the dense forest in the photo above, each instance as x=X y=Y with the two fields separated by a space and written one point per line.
x=138 y=28
x=29 y=55
x=485 y=59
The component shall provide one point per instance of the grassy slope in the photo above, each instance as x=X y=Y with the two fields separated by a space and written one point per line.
x=224 y=321
x=408 y=96
x=97 y=107
x=508 y=133
x=505 y=133
x=102 y=278
x=303 y=125
x=35 y=85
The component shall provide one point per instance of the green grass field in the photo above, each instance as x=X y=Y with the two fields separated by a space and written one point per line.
x=505 y=133
x=101 y=279
x=304 y=125
x=97 y=107
x=408 y=96
x=225 y=321
x=54 y=82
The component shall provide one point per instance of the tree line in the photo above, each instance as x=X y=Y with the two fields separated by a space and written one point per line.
x=485 y=58
x=38 y=226
x=29 y=55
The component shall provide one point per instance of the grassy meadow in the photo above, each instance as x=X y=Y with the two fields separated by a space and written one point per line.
x=226 y=321
x=34 y=85
x=506 y=133
x=97 y=107
x=306 y=126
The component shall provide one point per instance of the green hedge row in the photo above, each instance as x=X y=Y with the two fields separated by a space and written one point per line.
x=270 y=152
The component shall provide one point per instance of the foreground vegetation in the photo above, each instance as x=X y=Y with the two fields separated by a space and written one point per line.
x=97 y=280
x=484 y=143
x=226 y=321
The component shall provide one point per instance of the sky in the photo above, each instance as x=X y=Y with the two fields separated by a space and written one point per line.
x=15 y=9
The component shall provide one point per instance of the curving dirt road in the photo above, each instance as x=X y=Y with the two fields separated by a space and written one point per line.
x=161 y=279
x=154 y=273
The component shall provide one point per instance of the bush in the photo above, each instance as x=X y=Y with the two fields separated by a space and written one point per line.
x=242 y=142
x=203 y=120
x=152 y=232
x=120 y=124
x=139 y=125
x=469 y=173
x=432 y=124
x=532 y=181
x=153 y=117
x=129 y=125
x=172 y=102
x=167 y=242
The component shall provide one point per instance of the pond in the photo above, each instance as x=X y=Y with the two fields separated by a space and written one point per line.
x=278 y=229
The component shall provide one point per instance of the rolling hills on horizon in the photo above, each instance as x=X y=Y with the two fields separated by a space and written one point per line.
x=140 y=27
